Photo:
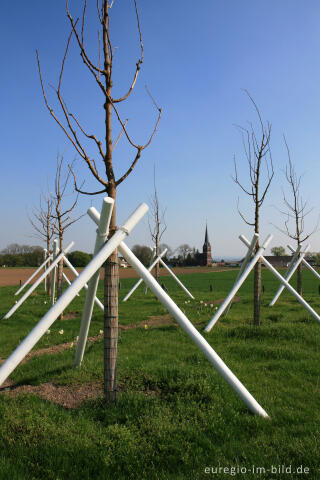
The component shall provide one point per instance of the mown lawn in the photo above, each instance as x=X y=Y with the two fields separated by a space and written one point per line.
x=175 y=415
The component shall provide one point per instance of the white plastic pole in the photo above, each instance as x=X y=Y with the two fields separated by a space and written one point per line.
x=96 y=300
x=149 y=270
x=193 y=333
x=306 y=264
x=238 y=284
x=34 y=274
x=102 y=234
x=37 y=282
x=289 y=287
x=289 y=275
x=39 y=330
x=244 y=264
x=55 y=250
x=176 y=279
x=153 y=256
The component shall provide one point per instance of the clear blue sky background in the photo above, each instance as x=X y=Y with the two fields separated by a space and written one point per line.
x=198 y=57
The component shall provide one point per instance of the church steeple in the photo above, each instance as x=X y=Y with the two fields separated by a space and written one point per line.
x=206 y=251
x=206 y=237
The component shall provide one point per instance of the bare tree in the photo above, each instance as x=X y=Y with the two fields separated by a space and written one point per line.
x=78 y=135
x=62 y=216
x=157 y=224
x=44 y=224
x=297 y=210
x=258 y=156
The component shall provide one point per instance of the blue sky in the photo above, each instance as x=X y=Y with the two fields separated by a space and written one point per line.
x=197 y=59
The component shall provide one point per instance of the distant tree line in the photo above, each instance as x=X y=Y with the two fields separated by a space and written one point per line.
x=15 y=255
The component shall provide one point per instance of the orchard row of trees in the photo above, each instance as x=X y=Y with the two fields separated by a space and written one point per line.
x=98 y=155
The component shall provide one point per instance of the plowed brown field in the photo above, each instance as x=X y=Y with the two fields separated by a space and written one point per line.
x=13 y=276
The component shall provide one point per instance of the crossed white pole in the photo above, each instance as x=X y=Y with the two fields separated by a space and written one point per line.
x=151 y=266
x=89 y=273
x=246 y=272
x=43 y=265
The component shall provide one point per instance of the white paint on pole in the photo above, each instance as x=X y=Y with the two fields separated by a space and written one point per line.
x=245 y=262
x=39 y=330
x=43 y=265
x=102 y=234
x=193 y=333
x=289 y=274
x=55 y=251
x=38 y=281
x=76 y=274
x=287 y=285
x=176 y=279
x=307 y=264
x=153 y=264
x=239 y=282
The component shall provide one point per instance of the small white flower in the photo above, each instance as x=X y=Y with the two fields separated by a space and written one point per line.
x=205 y=305
x=61 y=332
x=15 y=301
x=145 y=327
x=211 y=305
x=201 y=301
x=45 y=303
x=185 y=301
x=47 y=332
x=216 y=308
x=100 y=332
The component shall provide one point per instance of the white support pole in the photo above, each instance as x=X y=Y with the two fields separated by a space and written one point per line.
x=55 y=251
x=176 y=279
x=306 y=264
x=102 y=234
x=39 y=330
x=153 y=256
x=287 y=285
x=289 y=274
x=33 y=275
x=193 y=333
x=96 y=300
x=149 y=270
x=37 y=282
x=245 y=262
x=238 y=284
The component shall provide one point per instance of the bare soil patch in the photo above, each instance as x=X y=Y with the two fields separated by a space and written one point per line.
x=13 y=276
x=64 y=395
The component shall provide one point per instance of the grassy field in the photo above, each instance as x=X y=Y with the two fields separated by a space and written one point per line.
x=175 y=417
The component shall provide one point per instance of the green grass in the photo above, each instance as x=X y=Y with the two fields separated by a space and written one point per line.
x=175 y=415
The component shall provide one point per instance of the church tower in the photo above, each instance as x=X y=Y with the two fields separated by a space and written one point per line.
x=206 y=251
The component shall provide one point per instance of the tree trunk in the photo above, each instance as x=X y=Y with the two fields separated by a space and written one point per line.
x=299 y=279
x=111 y=283
x=48 y=254
x=257 y=293
x=157 y=268
x=60 y=271
x=257 y=268
x=111 y=286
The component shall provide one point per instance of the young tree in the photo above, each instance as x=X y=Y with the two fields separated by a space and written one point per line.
x=78 y=136
x=62 y=215
x=258 y=155
x=157 y=224
x=44 y=224
x=297 y=210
